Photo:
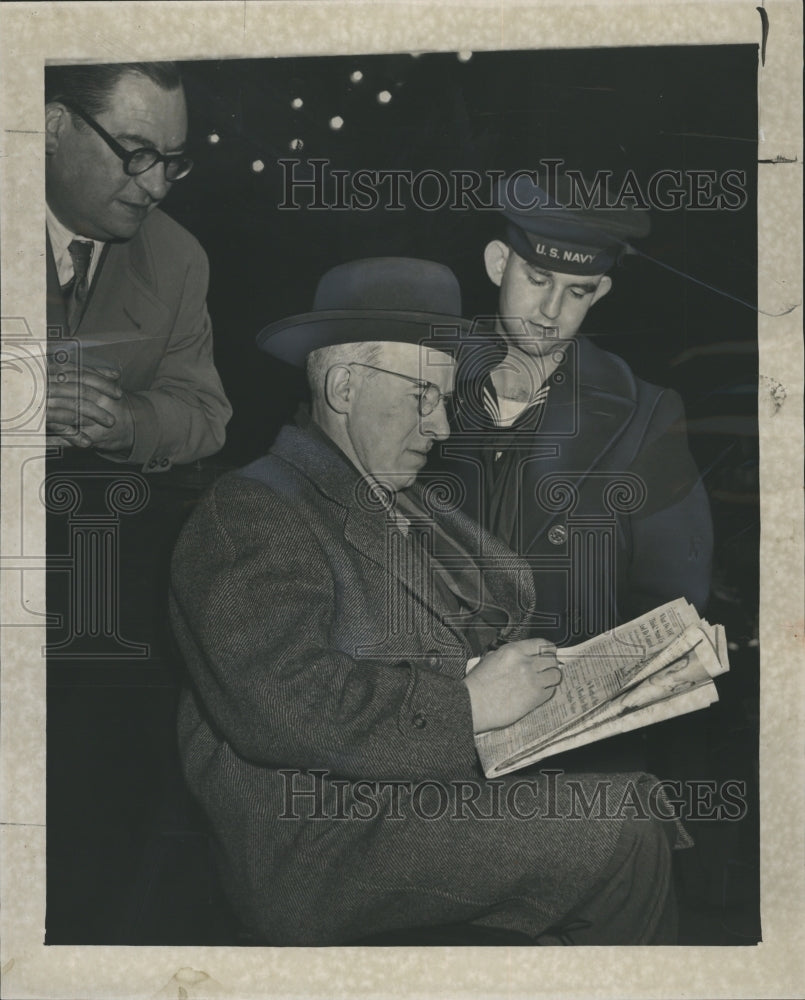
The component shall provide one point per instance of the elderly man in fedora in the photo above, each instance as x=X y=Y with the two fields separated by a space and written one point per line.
x=327 y=605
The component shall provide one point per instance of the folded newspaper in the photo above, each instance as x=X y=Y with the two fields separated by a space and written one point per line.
x=653 y=668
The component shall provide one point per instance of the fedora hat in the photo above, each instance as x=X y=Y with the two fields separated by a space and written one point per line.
x=391 y=299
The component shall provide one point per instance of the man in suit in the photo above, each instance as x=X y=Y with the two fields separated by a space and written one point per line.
x=564 y=454
x=326 y=605
x=131 y=372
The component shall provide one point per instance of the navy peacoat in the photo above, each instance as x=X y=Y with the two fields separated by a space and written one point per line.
x=604 y=501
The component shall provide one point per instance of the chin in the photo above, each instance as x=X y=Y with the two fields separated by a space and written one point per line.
x=111 y=232
x=535 y=348
x=402 y=480
x=121 y=233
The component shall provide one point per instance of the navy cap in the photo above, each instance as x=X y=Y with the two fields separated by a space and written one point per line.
x=557 y=230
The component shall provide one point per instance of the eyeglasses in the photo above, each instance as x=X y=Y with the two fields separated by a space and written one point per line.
x=137 y=161
x=431 y=394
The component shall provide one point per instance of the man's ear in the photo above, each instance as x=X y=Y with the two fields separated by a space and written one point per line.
x=604 y=286
x=56 y=121
x=339 y=390
x=496 y=256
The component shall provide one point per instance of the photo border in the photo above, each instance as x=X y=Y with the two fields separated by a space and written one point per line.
x=118 y=32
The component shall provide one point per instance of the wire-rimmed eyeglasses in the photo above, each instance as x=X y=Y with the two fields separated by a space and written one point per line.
x=430 y=396
x=137 y=161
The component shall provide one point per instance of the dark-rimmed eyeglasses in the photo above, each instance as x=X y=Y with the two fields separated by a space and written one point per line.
x=430 y=397
x=137 y=161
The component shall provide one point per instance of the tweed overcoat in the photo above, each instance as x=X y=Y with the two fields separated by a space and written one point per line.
x=146 y=314
x=322 y=667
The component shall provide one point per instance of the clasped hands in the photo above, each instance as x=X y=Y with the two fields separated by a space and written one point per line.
x=511 y=681
x=86 y=408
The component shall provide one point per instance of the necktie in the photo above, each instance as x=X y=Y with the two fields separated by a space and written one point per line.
x=76 y=291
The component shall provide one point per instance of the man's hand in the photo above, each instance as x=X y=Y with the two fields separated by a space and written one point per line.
x=86 y=408
x=511 y=681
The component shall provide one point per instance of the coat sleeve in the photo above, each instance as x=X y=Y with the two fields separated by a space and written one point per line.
x=253 y=602
x=672 y=533
x=182 y=416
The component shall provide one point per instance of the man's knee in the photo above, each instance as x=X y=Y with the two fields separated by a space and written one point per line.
x=634 y=901
x=646 y=877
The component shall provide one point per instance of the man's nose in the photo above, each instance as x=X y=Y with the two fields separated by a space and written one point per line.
x=436 y=424
x=551 y=304
x=154 y=182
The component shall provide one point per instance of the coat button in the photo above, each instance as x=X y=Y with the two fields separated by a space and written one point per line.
x=433 y=659
x=419 y=721
x=557 y=535
x=152 y=464
x=163 y=461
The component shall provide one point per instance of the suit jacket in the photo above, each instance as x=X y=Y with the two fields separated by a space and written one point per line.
x=322 y=665
x=608 y=506
x=146 y=314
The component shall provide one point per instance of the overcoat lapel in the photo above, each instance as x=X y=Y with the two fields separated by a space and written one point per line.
x=497 y=582
x=124 y=308
x=367 y=530
x=366 y=521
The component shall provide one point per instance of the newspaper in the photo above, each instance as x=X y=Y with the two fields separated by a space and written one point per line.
x=653 y=668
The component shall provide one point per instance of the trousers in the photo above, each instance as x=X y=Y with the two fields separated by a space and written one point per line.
x=634 y=902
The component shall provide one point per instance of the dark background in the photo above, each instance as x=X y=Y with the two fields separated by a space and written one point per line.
x=127 y=852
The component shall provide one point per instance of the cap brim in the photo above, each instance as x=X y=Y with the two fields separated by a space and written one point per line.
x=293 y=339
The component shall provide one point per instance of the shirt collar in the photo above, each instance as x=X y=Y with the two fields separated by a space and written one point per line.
x=60 y=239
